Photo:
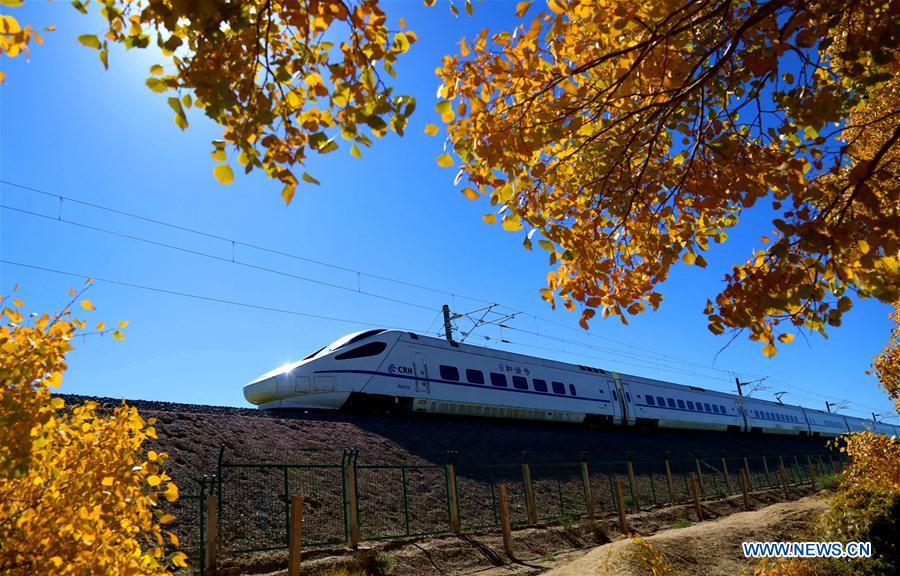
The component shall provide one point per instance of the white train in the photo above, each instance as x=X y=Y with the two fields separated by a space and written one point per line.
x=396 y=371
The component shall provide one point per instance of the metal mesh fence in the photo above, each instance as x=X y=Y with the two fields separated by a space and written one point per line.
x=390 y=501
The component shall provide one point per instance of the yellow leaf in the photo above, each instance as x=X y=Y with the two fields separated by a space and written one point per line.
x=354 y=151
x=863 y=246
x=769 y=350
x=445 y=109
x=156 y=70
x=179 y=559
x=689 y=257
x=166 y=518
x=152 y=455
x=470 y=193
x=123 y=323
x=101 y=326
x=57 y=561
x=512 y=222
x=87 y=305
x=18 y=303
x=445 y=161
x=522 y=8
x=153 y=480
x=118 y=335
x=786 y=338
x=313 y=80
x=489 y=218
x=287 y=193
x=223 y=174
x=171 y=493
x=89 y=40
x=310 y=179
x=431 y=129
x=107 y=481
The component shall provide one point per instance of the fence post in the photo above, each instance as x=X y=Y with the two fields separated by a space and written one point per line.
x=781 y=463
x=530 y=506
x=350 y=497
x=669 y=482
x=211 y=531
x=745 y=481
x=812 y=477
x=631 y=483
x=784 y=482
x=696 y=496
x=799 y=471
x=588 y=492
x=766 y=469
x=747 y=467
x=699 y=478
x=725 y=473
x=452 y=497
x=620 y=506
x=504 y=520
x=295 y=536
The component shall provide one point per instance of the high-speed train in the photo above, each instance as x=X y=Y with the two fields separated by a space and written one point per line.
x=398 y=371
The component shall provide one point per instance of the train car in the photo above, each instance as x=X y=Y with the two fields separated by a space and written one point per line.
x=396 y=371
x=884 y=428
x=774 y=418
x=667 y=405
x=384 y=369
x=855 y=424
x=823 y=423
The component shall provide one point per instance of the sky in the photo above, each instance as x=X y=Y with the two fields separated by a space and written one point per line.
x=201 y=326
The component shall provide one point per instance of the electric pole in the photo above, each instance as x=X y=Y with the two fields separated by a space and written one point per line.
x=448 y=328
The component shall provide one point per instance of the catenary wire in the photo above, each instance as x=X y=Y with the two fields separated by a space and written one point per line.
x=652 y=363
x=197 y=296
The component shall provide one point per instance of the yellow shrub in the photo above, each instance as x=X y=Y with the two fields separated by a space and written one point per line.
x=77 y=493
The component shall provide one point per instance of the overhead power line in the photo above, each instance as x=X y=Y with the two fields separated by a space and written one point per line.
x=649 y=359
x=197 y=296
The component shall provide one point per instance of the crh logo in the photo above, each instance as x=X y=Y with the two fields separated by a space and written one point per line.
x=394 y=369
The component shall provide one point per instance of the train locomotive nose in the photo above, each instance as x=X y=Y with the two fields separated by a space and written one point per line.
x=262 y=391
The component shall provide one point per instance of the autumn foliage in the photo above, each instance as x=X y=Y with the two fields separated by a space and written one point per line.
x=633 y=134
x=78 y=493
x=886 y=366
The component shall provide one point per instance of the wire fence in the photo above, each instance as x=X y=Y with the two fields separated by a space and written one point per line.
x=347 y=502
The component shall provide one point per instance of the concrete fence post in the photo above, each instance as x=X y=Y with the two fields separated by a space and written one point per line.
x=530 y=505
x=669 y=482
x=620 y=506
x=504 y=521
x=212 y=531
x=696 y=496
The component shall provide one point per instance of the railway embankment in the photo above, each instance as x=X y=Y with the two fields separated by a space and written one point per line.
x=402 y=483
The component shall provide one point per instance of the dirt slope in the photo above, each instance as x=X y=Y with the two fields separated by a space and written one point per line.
x=710 y=548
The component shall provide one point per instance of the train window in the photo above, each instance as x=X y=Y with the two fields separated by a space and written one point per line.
x=474 y=376
x=681 y=404
x=615 y=396
x=756 y=414
x=671 y=402
x=370 y=349
x=520 y=383
x=628 y=396
x=498 y=380
x=558 y=387
x=661 y=401
x=539 y=385
x=650 y=401
x=449 y=373
x=572 y=390
x=722 y=408
x=715 y=408
x=706 y=407
x=690 y=405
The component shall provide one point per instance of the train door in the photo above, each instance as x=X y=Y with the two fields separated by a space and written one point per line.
x=618 y=402
x=421 y=370
x=625 y=393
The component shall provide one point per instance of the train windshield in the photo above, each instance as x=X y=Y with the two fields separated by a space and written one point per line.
x=350 y=339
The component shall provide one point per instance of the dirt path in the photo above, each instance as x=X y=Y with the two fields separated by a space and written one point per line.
x=710 y=548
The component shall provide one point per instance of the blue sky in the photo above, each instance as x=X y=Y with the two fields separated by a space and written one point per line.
x=70 y=128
